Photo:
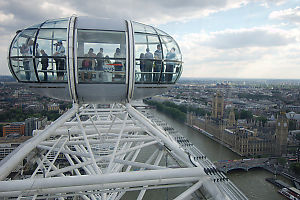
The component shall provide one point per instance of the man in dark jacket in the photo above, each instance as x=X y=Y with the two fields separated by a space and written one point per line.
x=45 y=64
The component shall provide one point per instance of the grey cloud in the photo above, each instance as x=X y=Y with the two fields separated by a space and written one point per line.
x=27 y=13
x=249 y=38
x=291 y=15
x=31 y=12
x=144 y=10
x=229 y=57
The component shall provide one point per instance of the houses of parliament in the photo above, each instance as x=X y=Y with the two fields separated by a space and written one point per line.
x=246 y=139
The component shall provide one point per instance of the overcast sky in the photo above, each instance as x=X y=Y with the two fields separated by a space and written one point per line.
x=218 y=38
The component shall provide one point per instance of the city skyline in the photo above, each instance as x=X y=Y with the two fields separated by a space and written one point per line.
x=232 y=39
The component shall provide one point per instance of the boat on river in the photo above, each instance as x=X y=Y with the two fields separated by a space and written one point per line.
x=290 y=193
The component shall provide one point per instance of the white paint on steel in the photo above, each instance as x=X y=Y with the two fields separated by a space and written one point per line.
x=17 y=156
x=92 y=139
x=128 y=186
x=71 y=59
x=57 y=182
x=189 y=191
x=175 y=150
x=131 y=61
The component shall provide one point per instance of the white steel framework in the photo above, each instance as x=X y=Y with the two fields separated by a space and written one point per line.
x=102 y=152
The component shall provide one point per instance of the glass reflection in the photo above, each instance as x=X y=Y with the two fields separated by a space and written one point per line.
x=58 y=23
x=148 y=54
x=50 y=54
x=43 y=53
x=101 y=56
x=22 y=52
x=137 y=27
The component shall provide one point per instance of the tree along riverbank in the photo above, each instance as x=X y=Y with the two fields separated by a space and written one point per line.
x=177 y=112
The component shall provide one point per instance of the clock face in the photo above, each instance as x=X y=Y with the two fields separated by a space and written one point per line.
x=278 y=123
x=285 y=124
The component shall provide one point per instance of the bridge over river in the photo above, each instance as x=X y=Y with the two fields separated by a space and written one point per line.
x=245 y=164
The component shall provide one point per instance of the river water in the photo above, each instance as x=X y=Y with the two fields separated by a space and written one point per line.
x=252 y=183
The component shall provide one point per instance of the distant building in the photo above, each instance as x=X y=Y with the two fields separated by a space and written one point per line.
x=35 y=107
x=218 y=105
x=33 y=124
x=14 y=128
x=246 y=141
x=231 y=120
x=161 y=98
x=281 y=134
x=8 y=145
x=53 y=107
x=293 y=108
x=295 y=118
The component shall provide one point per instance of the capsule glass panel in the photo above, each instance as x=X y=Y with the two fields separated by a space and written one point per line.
x=21 y=55
x=160 y=32
x=101 y=56
x=57 y=23
x=173 y=59
x=35 y=26
x=148 y=56
x=142 y=28
x=50 y=53
x=95 y=53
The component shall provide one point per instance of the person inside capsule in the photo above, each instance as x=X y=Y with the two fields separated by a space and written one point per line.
x=45 y=64
x=60 y=60
x=88 y=64
x=148 y=64
x=118 y=65
x=157 y=63
x=100 y=60
x=170 y=64
x=26 y=51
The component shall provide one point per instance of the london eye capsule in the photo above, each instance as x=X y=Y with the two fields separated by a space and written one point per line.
x=92 y=60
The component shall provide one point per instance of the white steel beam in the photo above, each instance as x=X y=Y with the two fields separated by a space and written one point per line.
x=174 y=147
x=190 y=191
x=126 y=186
x=91 y=130
x=91 y=140
x=56 y=182
x=95 y=166
x=116 y=147
x=9 y=163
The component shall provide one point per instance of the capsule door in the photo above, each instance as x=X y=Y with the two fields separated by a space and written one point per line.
x=101 y=65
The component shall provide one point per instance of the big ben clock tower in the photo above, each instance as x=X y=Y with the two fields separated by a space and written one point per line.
x=281 y=134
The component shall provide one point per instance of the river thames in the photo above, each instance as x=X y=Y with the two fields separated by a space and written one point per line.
x=252 y=183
